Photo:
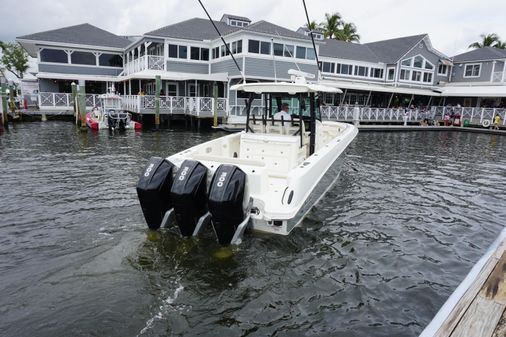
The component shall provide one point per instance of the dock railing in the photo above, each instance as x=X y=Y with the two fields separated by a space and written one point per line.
x=181 y=105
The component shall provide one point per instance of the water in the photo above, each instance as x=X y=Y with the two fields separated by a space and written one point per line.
x=410 y=215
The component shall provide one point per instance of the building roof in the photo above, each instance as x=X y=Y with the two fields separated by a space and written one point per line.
x=485 y=53
x=83 y=34
x=348 y=51
x=390 y=51
x=193 y=29
x=234 y=17
x=275 y=30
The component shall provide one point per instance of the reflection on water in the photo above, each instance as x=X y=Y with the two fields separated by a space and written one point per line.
x=408 y=217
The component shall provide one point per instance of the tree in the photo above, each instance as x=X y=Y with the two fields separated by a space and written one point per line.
x=14 y=58
x=331 y=25
x=488 y=40
x=312 y=26
x=348 y=33
x=500 y=45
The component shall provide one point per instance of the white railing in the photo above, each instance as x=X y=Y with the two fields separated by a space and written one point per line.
x=195 y=106
x=497 y=76
x=153 y=62
x=58 y=101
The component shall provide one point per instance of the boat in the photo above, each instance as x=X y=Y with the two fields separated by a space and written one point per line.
x=266 y=177
x=109 y=114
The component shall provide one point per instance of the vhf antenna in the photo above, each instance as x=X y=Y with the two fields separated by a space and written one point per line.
x=312 y=39
x=226 y=45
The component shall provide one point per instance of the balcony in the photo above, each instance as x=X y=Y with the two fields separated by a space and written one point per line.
x=498 y=76
x=152 y=62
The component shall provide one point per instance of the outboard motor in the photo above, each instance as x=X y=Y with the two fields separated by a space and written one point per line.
x=226 y=201
x=153 y=190
x=188 y=195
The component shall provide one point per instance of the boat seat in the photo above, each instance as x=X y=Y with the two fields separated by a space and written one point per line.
x=280 y=153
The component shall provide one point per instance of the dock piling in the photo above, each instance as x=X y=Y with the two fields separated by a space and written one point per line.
x=3 y=95
x=158 y=85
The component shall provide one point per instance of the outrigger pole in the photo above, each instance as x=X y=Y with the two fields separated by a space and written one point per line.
x=312 y=39
x=223 y=40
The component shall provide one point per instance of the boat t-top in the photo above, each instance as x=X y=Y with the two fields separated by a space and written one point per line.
x=109 y=114
x=265 y=178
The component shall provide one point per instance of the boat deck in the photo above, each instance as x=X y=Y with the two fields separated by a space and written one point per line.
x=477 y=308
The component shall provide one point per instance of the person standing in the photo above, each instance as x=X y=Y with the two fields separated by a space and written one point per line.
x=497 y=121
x=283 y=113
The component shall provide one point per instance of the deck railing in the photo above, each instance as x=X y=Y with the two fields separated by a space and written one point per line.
x=63 y=101
x=195 y=106
x=153 y=62
x=498 y=76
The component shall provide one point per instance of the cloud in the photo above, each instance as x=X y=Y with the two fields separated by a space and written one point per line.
x=452 y=24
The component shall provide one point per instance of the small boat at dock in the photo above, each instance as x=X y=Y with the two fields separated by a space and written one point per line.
x=265 y=178
x=109 y=115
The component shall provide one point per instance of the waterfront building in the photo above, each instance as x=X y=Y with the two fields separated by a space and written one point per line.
x=192 y=61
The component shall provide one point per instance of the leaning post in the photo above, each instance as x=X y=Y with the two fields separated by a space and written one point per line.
x=81 y=99
x=3 y=95
x=74 y=104
x=158 y=87
x=215 y=105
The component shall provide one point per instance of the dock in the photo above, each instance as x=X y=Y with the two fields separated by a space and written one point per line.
x=477 y=308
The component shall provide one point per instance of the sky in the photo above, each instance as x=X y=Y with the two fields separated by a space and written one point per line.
x=451 y=24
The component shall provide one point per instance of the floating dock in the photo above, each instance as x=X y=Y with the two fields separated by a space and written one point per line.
x=477 y=308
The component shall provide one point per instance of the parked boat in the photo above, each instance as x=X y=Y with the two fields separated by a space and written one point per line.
x=110 y=115
x=266 y=177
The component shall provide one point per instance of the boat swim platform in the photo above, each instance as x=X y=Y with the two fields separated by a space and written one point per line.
x=477 y=308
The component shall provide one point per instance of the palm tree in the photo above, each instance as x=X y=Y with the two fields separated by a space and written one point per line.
x=500 y=45
x=331 y=25
x=348 y=33
x=312 y=26
x=487 y=41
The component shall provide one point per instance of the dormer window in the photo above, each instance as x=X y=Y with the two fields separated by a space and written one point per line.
x=237 y=23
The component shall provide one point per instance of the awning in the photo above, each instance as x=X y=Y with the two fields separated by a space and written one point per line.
x=446 y=62
x=58 y=76
x=474 y=91
x=379 y=88
x=174 y=76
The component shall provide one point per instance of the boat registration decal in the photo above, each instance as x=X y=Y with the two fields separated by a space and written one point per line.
x=149 y=169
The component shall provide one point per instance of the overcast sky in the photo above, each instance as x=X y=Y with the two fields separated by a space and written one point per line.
x=451 y=24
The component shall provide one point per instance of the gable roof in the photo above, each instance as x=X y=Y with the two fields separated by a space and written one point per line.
x=193 y=29
x=485 y=53
x=83 y=34
x=390 y=51
x=348 y=50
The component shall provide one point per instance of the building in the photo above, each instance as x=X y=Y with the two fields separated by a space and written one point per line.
x=192 y=61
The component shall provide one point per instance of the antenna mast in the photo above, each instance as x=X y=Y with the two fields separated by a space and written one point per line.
x=312 y=39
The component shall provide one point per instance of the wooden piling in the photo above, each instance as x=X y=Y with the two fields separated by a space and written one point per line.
x=74 y=101
x=158 y=87
x=5 y=117
x=81 y=101
x=215 y=105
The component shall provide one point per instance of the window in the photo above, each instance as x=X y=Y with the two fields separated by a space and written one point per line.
x=195 y=53
x=428 y=65
x=204 y=54
x=472 y=70
x=406 y=62
x=418 y=62
x=288 y=51
x=442 y=69
x=310 y=54
x=377 y=72
x=253 y=46
x=344 y=69
x=277 y=49
x=405 y=74
x=391 y=74
x=427 y=77
x=53 y=55
x=110 y=60
x=216 y=52
x=328 y=67
x=80 y=57
x=361 y=71
x=237 y=47
x=172 y=51
x=171 y=89
x=183 y=52
x=416 y=76
x=301 y=53
x=265 y=48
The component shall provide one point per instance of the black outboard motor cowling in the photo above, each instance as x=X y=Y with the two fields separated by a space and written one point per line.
x=153 y=190
x=226 y=201
x=188 y=195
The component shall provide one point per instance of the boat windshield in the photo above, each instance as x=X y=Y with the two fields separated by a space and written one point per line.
x=296 y=104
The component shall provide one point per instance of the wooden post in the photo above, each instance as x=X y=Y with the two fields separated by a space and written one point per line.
x=5 y=116
x=81 y=101
x=74 y=105
x=215 y=105
x=158 y=87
